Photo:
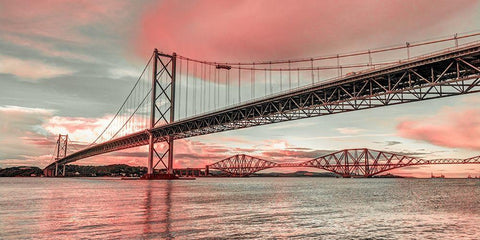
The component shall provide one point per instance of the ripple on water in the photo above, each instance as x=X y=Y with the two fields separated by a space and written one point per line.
x=247 y=208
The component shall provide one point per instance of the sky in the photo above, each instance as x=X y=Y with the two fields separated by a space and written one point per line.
x=66 y=66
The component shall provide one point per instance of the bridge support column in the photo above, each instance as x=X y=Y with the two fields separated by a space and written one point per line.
x=170 y=156
x=61 y=152
x=163 y=88
x=59 y=171
x=150 y=154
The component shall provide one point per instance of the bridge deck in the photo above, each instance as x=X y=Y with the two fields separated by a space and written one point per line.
x=447 y=73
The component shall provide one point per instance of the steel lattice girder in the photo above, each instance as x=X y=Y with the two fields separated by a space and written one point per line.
x=348 y=162
x=450 y=73
x=367 y=162
x=242 y=165
x=361 y=162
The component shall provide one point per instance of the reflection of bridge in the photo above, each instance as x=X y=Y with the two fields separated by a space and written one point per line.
x=140 y=121
x=346 y=163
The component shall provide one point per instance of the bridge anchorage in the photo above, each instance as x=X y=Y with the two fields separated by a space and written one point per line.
x=211 y=96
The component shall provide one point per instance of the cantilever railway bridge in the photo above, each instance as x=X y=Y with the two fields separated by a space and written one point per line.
x=361 y=162
x=185 y=97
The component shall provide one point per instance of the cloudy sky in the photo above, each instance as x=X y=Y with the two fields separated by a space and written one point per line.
x=66 y=66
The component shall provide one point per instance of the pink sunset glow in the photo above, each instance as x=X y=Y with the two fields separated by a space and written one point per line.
x=68 y=65
x=266 y=30
x=450 y=128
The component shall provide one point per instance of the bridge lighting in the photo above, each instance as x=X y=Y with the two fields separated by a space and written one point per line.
x=219 y=66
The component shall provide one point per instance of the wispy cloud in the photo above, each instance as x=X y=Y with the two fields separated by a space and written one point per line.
x=350 y=130
x=391 y=143
x=36 y=69
x=19 y=126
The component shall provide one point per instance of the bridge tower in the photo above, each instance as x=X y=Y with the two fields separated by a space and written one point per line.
x=162 y=113
x=60 y=152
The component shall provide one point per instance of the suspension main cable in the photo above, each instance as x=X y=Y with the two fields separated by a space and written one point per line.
x=455 y=37
x=124 y=102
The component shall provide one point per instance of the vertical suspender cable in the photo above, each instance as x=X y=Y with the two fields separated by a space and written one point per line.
x=239 y=76
x=215 y=90
x=228 y=87
x=369 y=58
x=298 y=77
x=186 y=94
x=179 y=86
x=253 y=82
x=338 y=66
x=209 y=85
x=311 y=66
x=289 y=76
x=265 y=74
x=204 y=82
x=270 y=74
x=194 y=78
x=201 y=87
x=281 y=81
x=318 y=74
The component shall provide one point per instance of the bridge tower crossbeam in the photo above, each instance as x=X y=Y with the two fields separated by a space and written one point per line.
x=62 y=144
x=162 y=113
x=60 y=152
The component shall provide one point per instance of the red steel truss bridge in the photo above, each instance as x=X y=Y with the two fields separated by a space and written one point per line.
x=177 y=97
x=361 y=162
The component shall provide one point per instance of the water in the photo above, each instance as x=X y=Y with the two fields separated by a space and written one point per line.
x=258 y=208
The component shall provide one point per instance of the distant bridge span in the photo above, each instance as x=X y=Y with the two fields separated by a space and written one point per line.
x=360 y=162
x=450 y=72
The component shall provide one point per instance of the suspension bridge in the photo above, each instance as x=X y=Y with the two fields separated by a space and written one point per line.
x=185 y=97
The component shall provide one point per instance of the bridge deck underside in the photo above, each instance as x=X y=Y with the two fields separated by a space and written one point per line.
x=450 y=73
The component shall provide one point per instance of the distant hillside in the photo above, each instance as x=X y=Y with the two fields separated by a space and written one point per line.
x=77 y=171
x=108 y=170
x=388 y=175
x=21 y=171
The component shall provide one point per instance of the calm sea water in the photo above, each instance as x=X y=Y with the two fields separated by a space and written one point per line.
x=257 y=208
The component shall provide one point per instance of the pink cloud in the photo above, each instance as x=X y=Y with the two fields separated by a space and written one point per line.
x=254 y=30
x=56 y=18
x=449 y=128
x=78 y=128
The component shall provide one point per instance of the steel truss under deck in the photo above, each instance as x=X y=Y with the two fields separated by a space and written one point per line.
x=449 y=73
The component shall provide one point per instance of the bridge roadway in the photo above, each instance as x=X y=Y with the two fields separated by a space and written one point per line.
x=447 y=73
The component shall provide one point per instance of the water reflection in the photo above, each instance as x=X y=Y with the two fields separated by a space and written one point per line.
x=161 y=205
x=240 y=208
